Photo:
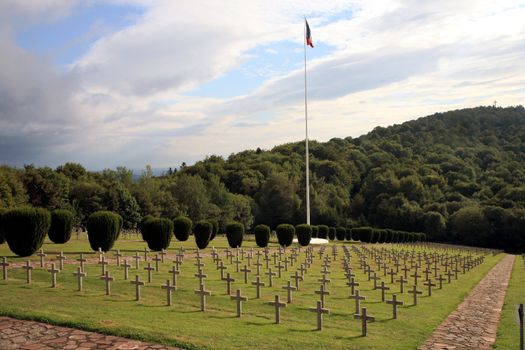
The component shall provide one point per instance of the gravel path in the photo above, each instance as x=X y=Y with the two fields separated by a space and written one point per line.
x=474 y=323
x=29 y=335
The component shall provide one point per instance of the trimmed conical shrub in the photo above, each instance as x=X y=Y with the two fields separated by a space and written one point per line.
x=364 y=233
x=158 y=233
x=235 y=234
x=285 y=233
x=61 y=226
x=262 y=235
x=2 y=235
x=315 y=231
x=304 y=234
x=142 y=224
x=25 y=229
x=202 y=232
x=340 y=233
x=323 y=231
x=331 y=233
x=182 y=228
x=348 y=236
x=215 y=230
x=103 y=230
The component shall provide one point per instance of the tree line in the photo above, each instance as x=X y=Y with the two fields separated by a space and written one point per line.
x=456 y=176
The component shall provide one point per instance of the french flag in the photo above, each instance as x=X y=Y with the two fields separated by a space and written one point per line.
x=308 y=35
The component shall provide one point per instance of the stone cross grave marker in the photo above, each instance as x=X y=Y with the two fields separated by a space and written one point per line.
x=145 y=254
x=440 y=279
x=28 y=267
x=270 y=275
x=429 y=284
x=394 y=302
x=239 y=299
x=277 y=305
x=169 y=288
x=201 y=276
x=80 y=274
x=297 y=278
x=222 y=267
x=157 y=260
x=258 y=266
x=289 y=288
x=364 y=319
x=103 y=263
x=375 y=278
x=203 y=293
x=126 y=269
x=383 y=289
x=162 y=254
x=246 y=270
x=118 y=256
x=279 y=267
x=137 y=282
x=352 y=284
x=229 y=281
x=324 y=281
x=402 y=282
x=322 y=292
x=81 y=260
x=4 y=265
x=258 y=284
x=54 y=271
x=108 y=279
x=61 y=259
x=391 y=274
x=414 y=292
x=42 y=256
x=149 y=268
x=174 y=272
x=358 y=299
x=137 y=258
x=320 y=310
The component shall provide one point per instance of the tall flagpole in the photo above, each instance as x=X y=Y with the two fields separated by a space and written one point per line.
x=306 y=129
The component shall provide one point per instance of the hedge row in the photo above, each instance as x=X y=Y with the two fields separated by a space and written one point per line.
x=374 y=235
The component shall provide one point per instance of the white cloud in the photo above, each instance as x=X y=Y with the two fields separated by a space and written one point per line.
x=124 y=102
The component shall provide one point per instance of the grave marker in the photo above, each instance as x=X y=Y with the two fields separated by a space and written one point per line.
x=108 y=279
x=278 y=305
x=289 y=288
x=137 y=282
x=203 y=293
x=28 y=267
x=364 y=319
x=4 y=265
x=54 y=271
x=320 y=310
x=394 y=302
x=239 y=299
x=169 y=288
x=258 y=284
x=80 y=275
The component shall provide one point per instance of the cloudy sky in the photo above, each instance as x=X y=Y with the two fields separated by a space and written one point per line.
x=159 y=82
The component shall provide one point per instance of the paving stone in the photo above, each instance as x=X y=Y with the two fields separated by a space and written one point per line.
x=474 y=323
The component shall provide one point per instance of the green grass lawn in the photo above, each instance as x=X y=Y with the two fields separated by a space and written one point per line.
x=508 y=330
x=183 y=324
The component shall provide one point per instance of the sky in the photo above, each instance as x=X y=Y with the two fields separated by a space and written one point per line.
x=160 y=82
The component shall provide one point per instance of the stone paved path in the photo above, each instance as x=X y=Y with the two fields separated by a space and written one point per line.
x=474 y=323
x=29 y=335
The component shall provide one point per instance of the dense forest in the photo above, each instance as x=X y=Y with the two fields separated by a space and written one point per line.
x=457 y=176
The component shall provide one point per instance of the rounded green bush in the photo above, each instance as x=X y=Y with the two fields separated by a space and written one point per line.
x=25 y=229
x=323 y=231
x=331 y=233
x=304 y=234
x=285 y=233
x=2 y=235
x=235 y=234
x=315 y=231
x=61 y=226
x=182 y=228
x=364 y=233
x=103 y=230
x=215 y=231
x=340 y=233
x=348 y=236
x=355 y=234
x=142 y=224
x=158 y=232
x=262 y=235
x=202 y=232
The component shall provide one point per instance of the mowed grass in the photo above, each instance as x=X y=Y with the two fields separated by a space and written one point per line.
x=508 y=336
x=183 y=324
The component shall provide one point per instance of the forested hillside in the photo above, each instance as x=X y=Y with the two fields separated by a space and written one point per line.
x=458 y=176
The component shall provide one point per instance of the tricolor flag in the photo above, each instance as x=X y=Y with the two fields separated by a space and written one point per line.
x=308 y=34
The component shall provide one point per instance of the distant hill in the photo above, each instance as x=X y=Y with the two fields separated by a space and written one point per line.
x=457 y=176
